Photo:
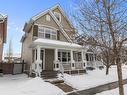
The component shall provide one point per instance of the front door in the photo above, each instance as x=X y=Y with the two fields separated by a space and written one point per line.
x=42 y=56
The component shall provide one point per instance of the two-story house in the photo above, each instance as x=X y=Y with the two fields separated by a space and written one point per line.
x=3 y=33
x=48 y=43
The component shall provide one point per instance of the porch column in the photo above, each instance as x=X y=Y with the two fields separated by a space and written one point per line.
x=38 y=67
x=56 y=63
x=56 y=54
x=38 y=53
x=72 y=60
x=83 y=59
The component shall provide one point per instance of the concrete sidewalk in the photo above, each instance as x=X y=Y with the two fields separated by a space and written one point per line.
x=98 y=89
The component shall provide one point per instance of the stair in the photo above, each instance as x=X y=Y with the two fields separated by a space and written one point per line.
x=49 y=74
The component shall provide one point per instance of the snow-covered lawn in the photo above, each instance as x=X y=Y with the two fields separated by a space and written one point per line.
x=21 y=85
x=113 y=92
x=93 y=78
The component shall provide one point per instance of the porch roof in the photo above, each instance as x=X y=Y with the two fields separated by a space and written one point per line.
x=55 y=44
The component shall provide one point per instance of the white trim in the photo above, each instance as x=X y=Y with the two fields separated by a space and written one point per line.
x=43 y=58
x=40 y=14
x=55 y=19
x=60 y=26
x=56 y=13
x=52 y=8
x=46 y=26
x=63 y=13
x=44 y=32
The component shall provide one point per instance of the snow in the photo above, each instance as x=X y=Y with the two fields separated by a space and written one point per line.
x=113 y=92
x=22 y=85
x=93 y=78
x=49 y=42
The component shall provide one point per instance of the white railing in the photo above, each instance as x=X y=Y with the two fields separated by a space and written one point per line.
x=65 y=66
x=79 y=65
x=94 y=63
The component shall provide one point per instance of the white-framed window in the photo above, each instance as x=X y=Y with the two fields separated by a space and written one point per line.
x=47 y=33
x=77 y=56
x=64 y=56
x=58 y=16
x=47 y=17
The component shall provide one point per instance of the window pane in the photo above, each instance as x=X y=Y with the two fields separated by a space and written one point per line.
x=47 y=36
x=41 y=35
x=59 y=54
x=64 y=59
x=47 y=31
x=41 y=29
x=64 y=54
x=54 y=37
x=59 y=58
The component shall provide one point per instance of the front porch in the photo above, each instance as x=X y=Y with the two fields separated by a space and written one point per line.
x=64 y=59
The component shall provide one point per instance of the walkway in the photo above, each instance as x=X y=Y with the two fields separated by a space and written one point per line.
x=98 y=89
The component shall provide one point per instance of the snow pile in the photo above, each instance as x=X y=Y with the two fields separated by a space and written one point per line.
x=13 y=85
x=93 y=78
x=37 y=86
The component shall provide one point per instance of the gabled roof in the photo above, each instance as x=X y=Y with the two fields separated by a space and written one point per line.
x=52 y=8
x=34 y=18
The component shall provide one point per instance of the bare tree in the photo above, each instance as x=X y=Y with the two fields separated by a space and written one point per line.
x=106 y=22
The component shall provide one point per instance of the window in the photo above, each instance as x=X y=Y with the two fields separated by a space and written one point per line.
x=48 y=17
x=77 y=56
x=47 y=33
x=58 y=16
x=64 y=56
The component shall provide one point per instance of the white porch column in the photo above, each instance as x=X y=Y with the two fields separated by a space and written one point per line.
x=38 y=63
x=83 y=59
x=56 y=54
x=72 y=60
x=56 y=63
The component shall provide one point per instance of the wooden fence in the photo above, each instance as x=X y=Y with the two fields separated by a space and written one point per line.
x=11 y=68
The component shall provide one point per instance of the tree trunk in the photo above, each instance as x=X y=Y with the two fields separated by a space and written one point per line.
x=120 y=80
x=107 y=70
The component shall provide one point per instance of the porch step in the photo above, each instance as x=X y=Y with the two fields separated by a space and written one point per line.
x=46 y=74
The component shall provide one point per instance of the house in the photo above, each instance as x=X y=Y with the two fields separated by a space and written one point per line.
x=3 y=33
x=15 y=58
x=48 y=44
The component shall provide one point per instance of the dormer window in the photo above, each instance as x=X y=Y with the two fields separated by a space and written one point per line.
x=58 y=16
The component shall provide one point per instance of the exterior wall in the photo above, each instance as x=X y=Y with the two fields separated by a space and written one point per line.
x=1 y=52
x=26 y=51
x=42 y=21
x=2 y=37
x=49 y=58
x=69 y=30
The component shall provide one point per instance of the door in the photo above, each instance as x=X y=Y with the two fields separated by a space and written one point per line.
x=42 y=56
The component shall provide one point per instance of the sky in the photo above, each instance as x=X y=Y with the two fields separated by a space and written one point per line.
x=19 y=12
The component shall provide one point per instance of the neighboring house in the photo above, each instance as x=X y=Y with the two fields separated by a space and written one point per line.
x=3 y=33
x=15 y=58
x=47 y=44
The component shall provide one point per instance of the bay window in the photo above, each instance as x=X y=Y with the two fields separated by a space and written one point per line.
x=47 y=33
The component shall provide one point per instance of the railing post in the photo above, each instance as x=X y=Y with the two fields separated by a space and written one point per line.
x=72 y=61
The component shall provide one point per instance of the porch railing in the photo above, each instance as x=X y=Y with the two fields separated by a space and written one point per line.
x=94 y=63
x=68 y=66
